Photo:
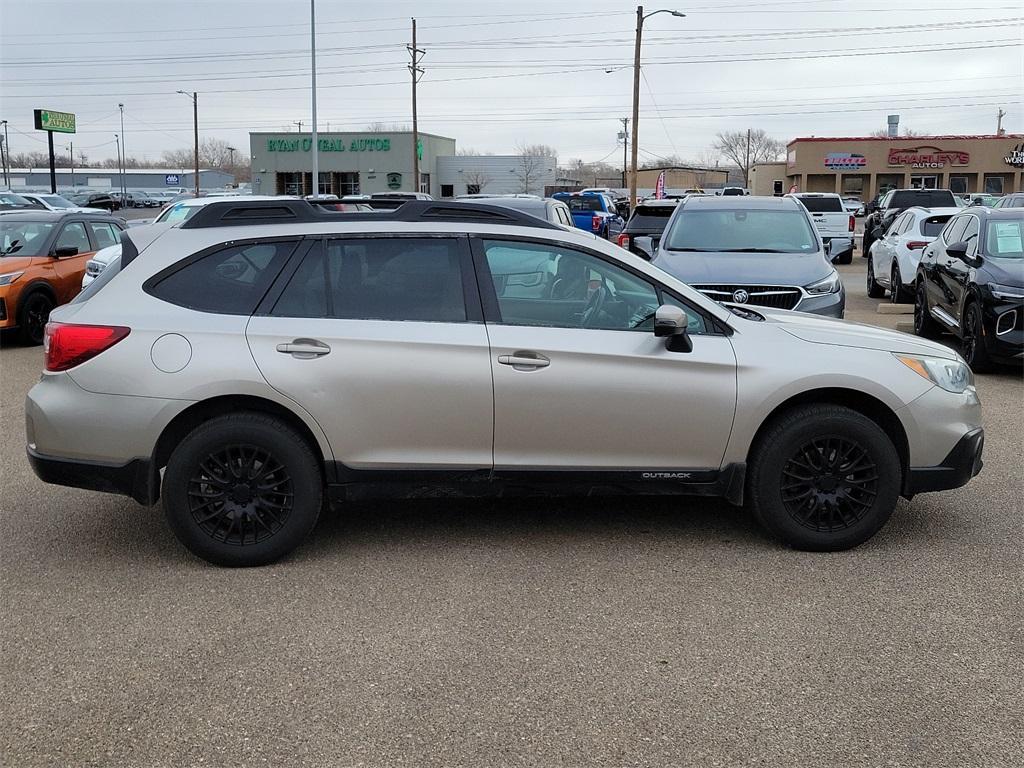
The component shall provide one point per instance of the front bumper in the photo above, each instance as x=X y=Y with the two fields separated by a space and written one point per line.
x=960 y=465
x=135 y=478
x=829 y=304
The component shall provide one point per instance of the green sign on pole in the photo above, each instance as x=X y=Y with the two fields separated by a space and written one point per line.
x=48 y=120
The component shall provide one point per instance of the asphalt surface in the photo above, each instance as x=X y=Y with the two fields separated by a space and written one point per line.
x=585 y=632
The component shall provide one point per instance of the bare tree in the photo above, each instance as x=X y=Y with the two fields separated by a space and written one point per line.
x=532 y=160
x=478 y=179
x=746 y=152
x=906 y=133
x=470 y=152
x=379 y=127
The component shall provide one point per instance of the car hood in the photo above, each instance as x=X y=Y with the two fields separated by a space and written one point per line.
x=1004 y=271
x=817 y=329
x=14 y=264
x=716 y=268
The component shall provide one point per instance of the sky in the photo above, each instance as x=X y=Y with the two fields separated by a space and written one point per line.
x=500 y=74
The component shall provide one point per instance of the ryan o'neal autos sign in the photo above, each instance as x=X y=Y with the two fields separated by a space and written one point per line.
x=329 y=145
x=928 y=157
x=48 y=120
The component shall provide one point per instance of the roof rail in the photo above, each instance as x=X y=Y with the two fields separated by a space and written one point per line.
x=236 y=212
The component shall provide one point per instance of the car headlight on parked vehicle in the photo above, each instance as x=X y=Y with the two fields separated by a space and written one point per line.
x=999 y=291
x=830 y=284
x=10 y=277
x=951 y=375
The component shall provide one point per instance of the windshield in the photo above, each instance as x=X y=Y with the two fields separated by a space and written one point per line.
x=176 y=214
x=753 y=231
x=1005 y=239
x=56 y=201
x=581 y=203
x=7 y=198
x=651 y=218
x=23 y=238
x=926 y=198
x=822 y=204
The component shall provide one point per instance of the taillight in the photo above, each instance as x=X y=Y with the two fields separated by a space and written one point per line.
x=67 y=345
x=916 y=245
x=853 y=223
x=595 y=223
x=623 y=241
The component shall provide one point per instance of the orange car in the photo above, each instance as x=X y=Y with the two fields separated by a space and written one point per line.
x=42 y=260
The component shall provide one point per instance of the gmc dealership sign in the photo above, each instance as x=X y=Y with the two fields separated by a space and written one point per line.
x=928 y=157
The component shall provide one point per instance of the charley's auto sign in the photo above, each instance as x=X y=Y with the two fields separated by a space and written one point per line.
x=928 y=157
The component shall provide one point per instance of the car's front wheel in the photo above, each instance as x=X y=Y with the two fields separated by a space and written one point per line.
x=974 y=350
x=824 y=478
x=243 y=489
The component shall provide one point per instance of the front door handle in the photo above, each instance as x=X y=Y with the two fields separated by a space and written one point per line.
x=524 y=360
x=304 y=349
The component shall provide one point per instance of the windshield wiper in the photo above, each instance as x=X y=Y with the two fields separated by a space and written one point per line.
x=697 y=250
x=751 y=250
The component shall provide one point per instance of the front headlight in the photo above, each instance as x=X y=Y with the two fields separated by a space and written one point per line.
x=10 y=277
x=951 y=375
x=1006 y=291
x=830 y=284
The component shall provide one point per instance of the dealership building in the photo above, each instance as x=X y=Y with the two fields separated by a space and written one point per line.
x=365 y=163
x=151 y=179
x=865 y=166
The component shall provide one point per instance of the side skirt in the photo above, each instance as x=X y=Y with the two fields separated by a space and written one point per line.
x=346 y=484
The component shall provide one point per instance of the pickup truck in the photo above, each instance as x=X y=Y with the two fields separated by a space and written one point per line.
x=896 y=201
x=831 y=219
x=593 y=212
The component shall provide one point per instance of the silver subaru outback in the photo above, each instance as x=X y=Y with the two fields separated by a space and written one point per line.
x=265 y=358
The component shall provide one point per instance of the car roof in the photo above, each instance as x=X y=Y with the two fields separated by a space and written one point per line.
x=813 y=194
x=193 y=201
x=1012 y=214
x=38 y=214
x=734 y=202
x=658 y=203
x=946 y=211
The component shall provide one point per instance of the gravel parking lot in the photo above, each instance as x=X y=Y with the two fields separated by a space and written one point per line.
x=517 y=632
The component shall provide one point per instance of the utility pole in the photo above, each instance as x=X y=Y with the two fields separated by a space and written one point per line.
x=7 y=153
x=636 y=106
x=231 y=160
x=312 y=48
x=3 y=155
x=124 y=154
x=195 y=127
x=625 y=144
x=298 y=123
x=746 y=166
x=415 y=70
x=999 y=122
x=71 y=154
x=118 y=140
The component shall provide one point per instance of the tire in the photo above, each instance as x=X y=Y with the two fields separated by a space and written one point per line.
x=33 y=314
x=897 y=293
x=224 y=517
x=865 y=243
x=847 y=259
x=875 y=291
x=925 y=325
x=823 y=478
x=973 y=342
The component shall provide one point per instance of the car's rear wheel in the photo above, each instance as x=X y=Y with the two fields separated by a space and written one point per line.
x=875 y=291
x=924 y=324
x=974 y=350
x=33 y=314
x=242 y=490
x=897 y=293
x=824 y=478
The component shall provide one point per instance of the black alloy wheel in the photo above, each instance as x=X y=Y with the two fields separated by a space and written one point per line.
x=829 y=484
x=924 y=324
x=974 y=350
x=35 y=313
x=897 y=293
x=240 y=494
x=875 y=291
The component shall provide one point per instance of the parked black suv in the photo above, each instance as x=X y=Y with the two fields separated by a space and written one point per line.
x=643 y=231
x=895 y=202
x=971 y=282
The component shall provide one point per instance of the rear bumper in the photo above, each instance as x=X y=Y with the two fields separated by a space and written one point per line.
x=960 y=465
x=135 y=478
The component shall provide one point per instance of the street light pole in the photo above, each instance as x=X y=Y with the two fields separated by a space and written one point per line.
x=195 y=129
x=71 y=154
x=312 y=49
x=231 y=159
x=4 y=152
x=124 y=153
x=640 y=17
x=118 y=140
x=7 y=151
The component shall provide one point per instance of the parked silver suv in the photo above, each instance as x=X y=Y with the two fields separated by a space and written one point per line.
x=264 y=357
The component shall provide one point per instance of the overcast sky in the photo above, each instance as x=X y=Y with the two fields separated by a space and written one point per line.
x=498 y=74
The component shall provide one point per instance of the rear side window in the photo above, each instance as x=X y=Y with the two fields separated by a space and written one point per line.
x=104 y=234
x=584 y=203
x=822 y=204
x=396 y=278
x=230 y=281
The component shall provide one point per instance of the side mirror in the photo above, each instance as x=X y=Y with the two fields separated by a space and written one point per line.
x=837 y=246
x=959 y=251
x=66 y=250
x=671 y=323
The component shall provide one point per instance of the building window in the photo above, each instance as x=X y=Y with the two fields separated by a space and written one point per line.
x=324 y=182
x=447 y=190
x=289 y=183
x=472 y=189
x=958 y=184
x=346 y=183
x=425 y=183
x=993 y=185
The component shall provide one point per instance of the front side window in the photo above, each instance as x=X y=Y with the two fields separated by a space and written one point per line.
x=970 y=235
x=230 y=281
x=73 y=235
x=387 y=278
x=954 y=230
x=547 y=285
x=751 y=231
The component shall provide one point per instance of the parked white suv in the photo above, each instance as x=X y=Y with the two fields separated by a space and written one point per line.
x=265 y=356
x=893 y=260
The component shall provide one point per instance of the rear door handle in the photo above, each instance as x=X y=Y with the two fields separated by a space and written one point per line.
x=304 y=349
x=524 y=360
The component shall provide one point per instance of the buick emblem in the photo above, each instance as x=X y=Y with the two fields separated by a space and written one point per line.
x=740 y=296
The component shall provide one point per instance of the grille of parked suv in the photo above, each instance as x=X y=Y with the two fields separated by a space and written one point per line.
x=776 y=296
